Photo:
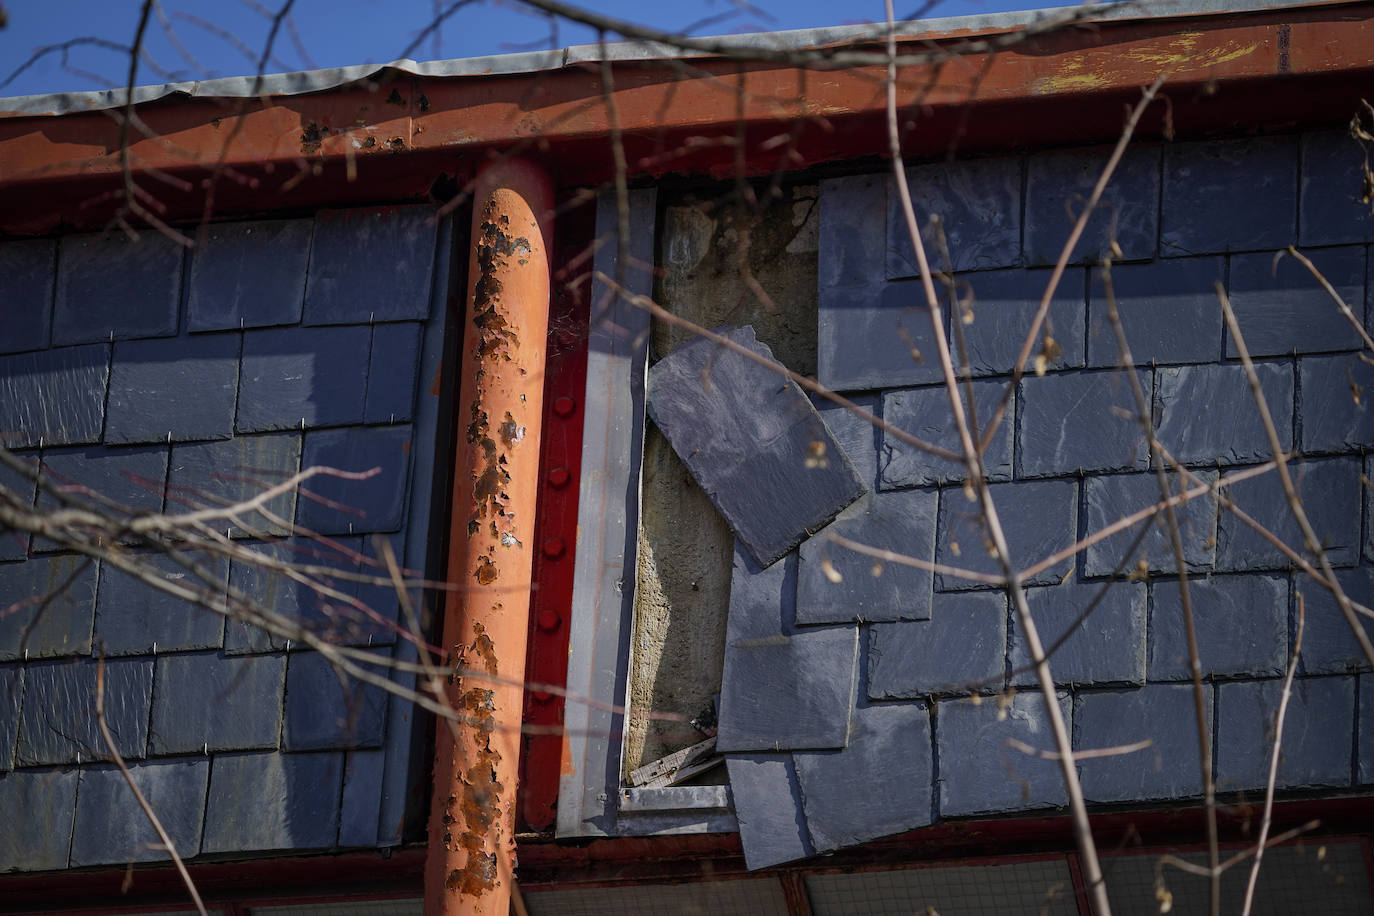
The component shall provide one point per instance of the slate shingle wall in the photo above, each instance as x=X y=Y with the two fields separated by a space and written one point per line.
x=170 y=380
x=1070 y=459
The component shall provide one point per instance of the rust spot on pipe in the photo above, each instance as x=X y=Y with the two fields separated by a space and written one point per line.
x=480 y=806
x=486 y=572
x=312 y=136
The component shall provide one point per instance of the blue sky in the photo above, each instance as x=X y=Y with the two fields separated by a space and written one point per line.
x=224 y=38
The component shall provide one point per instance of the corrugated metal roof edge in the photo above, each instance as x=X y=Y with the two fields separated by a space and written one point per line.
x=307 y=81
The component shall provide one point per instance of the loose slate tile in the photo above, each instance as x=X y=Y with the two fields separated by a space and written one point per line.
x=1058 y=185
x=962 y=647
x=325 y=709
x=788 y=692
x=978 y=203
x=1365 y=771
x=132 y=477
x=980 y=772
x=173 y=390
x=1056 y=406
x=762 y=601
x=1241 y=624
x=1331 y=211
x=857 y=437
x=213 y=475
x=295 y=378
x=249 y=275
x=331 y=505
x=1107 y=648
x=888 y=760
x=1329 y=646
x=23 y=488
x=1207 y=414
x=926 y=414
x=273 y=801
x=869 y=589
x=112 y=829
x=371 y=265
x=875 y=336
x=768 y=804
x=38 y=841
x=57 y=723
x=1281 y=308
x=392 y=368
x=853 y=241
x=1333 y=408
x=26 y=301
x=31 y=625
x=112 y=288
x=1329 y=489
x=134 y=618
x=212 y=703
x=1109 y=498
x=1318 y=733
x=1039 y=518
x=53 y=397
x=1004 y=304
x=360 y=810
x=1208 y=207
x=11 y=695
x=749 y=437
x=1162 y=713
x=1168 y=309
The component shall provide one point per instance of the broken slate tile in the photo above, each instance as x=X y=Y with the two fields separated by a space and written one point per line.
x=769 y=807
x=788 y=692
x=1108 y=647
x=41 y=839
x=57 y=723
x=110 y=287
x=1334 y=410
x=213 y=475
x=926 y=414
x=1039 y=518
x=1162 y=713
x=1318 y=733
x=53 y=397
x=47 y=607
x=371 y=265
x=1168 y=309
x=1080 y=421
x=207 y=702
x=980 y=773
x=978 y=203
x=134 y=618
x=1241 y=624
x=273 y=801
x=1329 y=646
x=961 y=648
x=888 y=761
x=1328 y=490
x=111 y=828
x=333 y=505
x=249 y=275
x=1058 y=185
x=328 y=709
x=394 y=363
x=867 y=589
x=996 y=311
x=175 y=390
x=749 y=437
x=1109 y=498
x=1281 y=308
x=26 y=302
x=295 y=378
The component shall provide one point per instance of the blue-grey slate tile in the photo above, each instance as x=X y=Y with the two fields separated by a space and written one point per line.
x=1329 y=646
x=373 y=619
x=213 y=475
x=343 y=506
x=1058 y=185
x=1168 y=309
x=870 y=589
x=392 y=370
x=1241 y=624
x=111 y=827
x=762 y=600
x=996 y=311
x=853 y=233
x=1076 y=421
x=768 y=804
x=980 y=773
x=371 y=265
x=1039 y=518
x=751 y=439
x=26 y=302
x=134 y=618
x=58 y=724
x=249 y=275
x=856 y=436
x=880 y=784
x=360 y=809
x=328 y=709
x=1281 y=308
x=1229 y=195
x=207 y=702
x=295 y=378
x=1111 y=497
x=273 y=801
x=23 y=488
x=42 y=618
x=1333 y=411
x=41 y=839
x=1330 y=209
x=875 y=336
x=176 y=390
x=53 y=397
x=788 y=692
x=1365 y=768
x=978 y=202
x=1109 y=647
x=1369 y=509
x=1208 y=414
x=1329 y=489
x=301 y=603
x=961 y=648
x=11 y=695
x=110 y=287
x=1162 y=713
x=926 y=414
x=1318 y=733
x=132 y=477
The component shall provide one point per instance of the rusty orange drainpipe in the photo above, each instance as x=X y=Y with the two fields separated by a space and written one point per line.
x=471 y=859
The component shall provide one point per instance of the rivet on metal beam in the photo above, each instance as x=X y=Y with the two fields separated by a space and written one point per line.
x=559 y=477
x=554 y=547
x=564 y=406
x=550 y=620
